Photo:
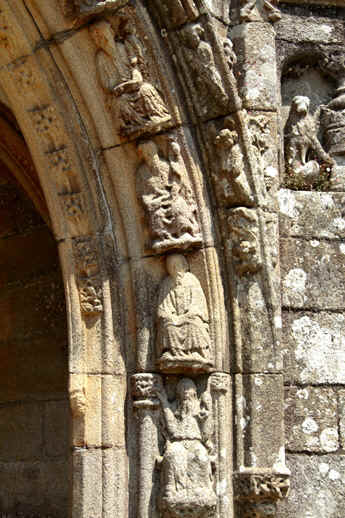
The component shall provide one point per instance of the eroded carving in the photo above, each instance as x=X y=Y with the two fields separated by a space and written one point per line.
x=183 y=336
x=257 y=494
x=124 y=75
x=162 y=184
x=186 y=466
x=245 y=243
x=78 y=402
x=177 y=12
x=88 y=279
x=203 y=71
x=88 y=7
x=332 y=118
x=144 y=389
x=301 y=140
x=259 y=10
x=232 y=183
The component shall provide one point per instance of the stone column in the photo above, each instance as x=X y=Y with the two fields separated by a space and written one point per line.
x=261 y=477
x=221 y=390
x=146 y=406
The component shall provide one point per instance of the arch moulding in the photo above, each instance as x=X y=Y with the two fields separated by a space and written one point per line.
x=150 y=158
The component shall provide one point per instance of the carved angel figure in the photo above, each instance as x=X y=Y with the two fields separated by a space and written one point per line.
x=183 y=337
x=300 y=135
x=135 y=101
x=186 y=466
x=203 y=70
x=169 y=202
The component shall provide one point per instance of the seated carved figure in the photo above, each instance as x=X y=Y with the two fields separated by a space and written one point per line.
x=186 y=466
x=183 y=339
x=300 y=139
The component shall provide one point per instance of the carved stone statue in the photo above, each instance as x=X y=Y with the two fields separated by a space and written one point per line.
x=300 y=136
x=162 y=183
x=244 y=233
x=183 y=337
x=235 y=187
x=186 y=466
x=135 y=101
x=202 y=68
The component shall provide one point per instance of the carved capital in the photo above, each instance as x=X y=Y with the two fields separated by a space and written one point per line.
x=261 y=488
x=244 y=232
x=144 y=390
x=219 y=382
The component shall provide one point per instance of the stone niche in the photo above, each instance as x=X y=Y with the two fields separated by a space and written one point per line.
x=305 y=87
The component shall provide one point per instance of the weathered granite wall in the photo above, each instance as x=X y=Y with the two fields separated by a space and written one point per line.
x=33 y=363
x=312 y=232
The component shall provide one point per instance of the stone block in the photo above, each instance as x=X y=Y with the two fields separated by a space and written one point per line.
x=56 y=428
x=34 y=310
x=34 y=488
x=314 y=347
x=311 y=419
x=260 y=436
x=313 y=274
x=341 y=402
x=16 y=263
x=87 y=482
x=311 y=214
x=254 y=45
x=317 y=487
x=312 y=29
x=36 y=367
x=21 y=432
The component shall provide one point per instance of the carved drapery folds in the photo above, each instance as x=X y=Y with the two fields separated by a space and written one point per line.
x=124 y=73
x=183 y=335
x=168 y=200
x=184 y=434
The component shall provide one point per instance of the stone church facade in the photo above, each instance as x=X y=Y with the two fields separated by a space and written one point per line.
x=172 y=234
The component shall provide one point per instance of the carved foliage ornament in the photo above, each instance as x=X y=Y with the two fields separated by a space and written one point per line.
x=163 y=187
x=124 y=74
x=183 y=336
x=88 y=279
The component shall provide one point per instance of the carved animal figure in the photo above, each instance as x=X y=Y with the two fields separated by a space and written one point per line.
x=300 y=136
x=183 y=336
x=186 y=467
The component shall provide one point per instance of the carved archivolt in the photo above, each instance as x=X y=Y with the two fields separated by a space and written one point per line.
x=126 y=186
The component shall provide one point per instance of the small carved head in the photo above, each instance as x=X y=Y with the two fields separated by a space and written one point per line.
x=193 y=35
x=103 y=35
x=226 y=138
x=186 y=389
x=176 y=263
x=301 y=104
x=148 y=151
